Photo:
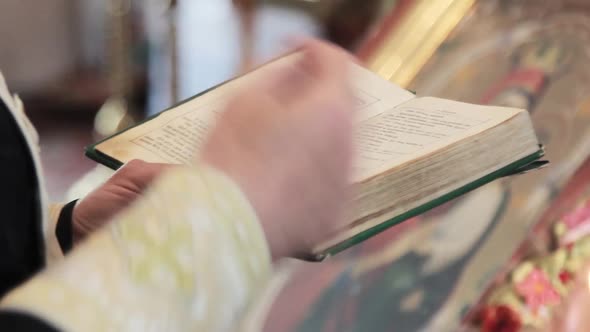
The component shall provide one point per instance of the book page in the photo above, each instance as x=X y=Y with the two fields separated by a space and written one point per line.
x=374 y=95
x=175 y=135
x=417 y=128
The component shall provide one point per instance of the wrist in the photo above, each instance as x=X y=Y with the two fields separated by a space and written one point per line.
x=259 y=197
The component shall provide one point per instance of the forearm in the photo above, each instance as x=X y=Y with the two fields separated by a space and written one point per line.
x=187 y=256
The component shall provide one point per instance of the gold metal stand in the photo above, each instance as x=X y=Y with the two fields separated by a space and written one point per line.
x=418 y=35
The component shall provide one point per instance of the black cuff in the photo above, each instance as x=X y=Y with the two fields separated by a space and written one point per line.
x=63 y=229
x=17 y=321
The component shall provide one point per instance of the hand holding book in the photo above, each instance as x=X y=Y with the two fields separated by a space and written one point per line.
x=410 y=153
x=289 y=147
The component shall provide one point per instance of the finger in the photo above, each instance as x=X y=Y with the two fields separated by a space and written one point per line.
x=326 y=62
x=329 y=95
x=330 y=68
x=300 y=44
x=142 y=173
x=290 y=82
x=287 y=81
x=315 y=65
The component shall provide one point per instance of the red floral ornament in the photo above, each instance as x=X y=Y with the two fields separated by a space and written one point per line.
x=499 y=319
x=565 y=276
x=537 y=290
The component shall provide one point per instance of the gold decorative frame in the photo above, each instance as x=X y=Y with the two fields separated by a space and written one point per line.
x=415 y=38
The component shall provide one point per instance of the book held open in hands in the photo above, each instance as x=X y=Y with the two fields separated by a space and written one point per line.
x=413 y=153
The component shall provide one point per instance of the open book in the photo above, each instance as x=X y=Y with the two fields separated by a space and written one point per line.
x=413 y=153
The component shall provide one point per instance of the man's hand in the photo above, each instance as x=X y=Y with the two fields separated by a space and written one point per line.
x=122 y=189
x=286 y=140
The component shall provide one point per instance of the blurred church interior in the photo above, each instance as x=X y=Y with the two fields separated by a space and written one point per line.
x=70 y=59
